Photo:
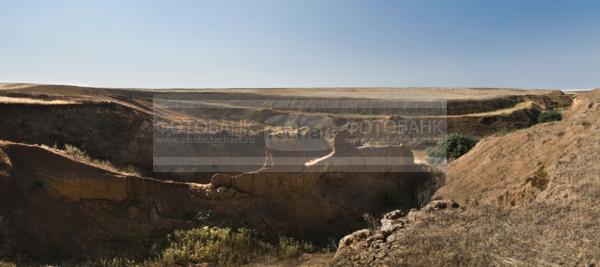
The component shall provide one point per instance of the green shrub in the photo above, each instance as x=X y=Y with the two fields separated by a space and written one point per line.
x=226 y=247
x=451 y=147
x=550 y=115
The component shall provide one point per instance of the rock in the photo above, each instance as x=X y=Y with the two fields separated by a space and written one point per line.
x=388 y=229
x=380 y=244
x=381 y=254
x=393 y=215
x=440 y=205
x=354 y=237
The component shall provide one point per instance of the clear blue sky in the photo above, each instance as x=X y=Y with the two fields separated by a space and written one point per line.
x=304 y=43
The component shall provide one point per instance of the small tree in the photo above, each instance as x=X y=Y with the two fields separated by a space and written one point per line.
x=452 y=147
x=550 y=115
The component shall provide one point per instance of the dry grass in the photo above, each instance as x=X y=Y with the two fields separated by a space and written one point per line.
x=532 y=236
x=558 y=227
x=538 y=235
x=81 y=155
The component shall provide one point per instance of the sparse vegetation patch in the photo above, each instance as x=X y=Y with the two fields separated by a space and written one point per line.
x=79 y=154
x=451 y=147
x=226 y=247
x=550 y=115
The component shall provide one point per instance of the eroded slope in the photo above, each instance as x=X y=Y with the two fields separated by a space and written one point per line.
x=528 y=198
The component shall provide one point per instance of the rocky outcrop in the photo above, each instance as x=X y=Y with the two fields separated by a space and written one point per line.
x=375 y=246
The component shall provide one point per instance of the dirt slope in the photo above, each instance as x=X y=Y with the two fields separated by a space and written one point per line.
x=529 y=198
x=501 y=169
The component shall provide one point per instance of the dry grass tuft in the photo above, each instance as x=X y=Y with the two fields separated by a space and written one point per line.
x=81 y=155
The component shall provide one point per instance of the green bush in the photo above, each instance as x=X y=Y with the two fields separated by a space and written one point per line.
x=451 y=147
x=550 y=115
x=226 y=247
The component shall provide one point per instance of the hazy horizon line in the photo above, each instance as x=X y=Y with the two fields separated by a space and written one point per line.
x=298 y=87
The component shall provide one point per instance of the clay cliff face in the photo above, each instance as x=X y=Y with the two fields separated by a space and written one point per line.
x=53 y=206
